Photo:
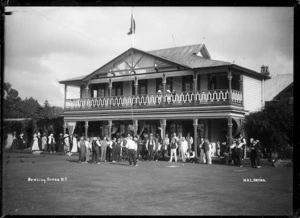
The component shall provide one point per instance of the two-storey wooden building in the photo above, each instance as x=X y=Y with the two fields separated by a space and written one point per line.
x=179 y=89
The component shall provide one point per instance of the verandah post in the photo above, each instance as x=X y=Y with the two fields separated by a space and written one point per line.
x=195 y=124
x=86 y=126
x=229 y=86
x=195 y=86
x=164 y=81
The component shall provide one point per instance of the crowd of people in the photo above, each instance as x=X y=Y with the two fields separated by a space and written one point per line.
x=237 y=152
x=147 y=147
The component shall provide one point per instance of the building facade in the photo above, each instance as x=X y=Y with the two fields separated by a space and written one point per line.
x=178 y=89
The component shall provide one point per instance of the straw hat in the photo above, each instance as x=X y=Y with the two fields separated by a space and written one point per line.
x=66 y=135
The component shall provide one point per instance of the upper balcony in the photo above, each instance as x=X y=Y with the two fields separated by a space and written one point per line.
x=183 y=99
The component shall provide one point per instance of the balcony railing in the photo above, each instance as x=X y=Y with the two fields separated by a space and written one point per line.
x=156 y=100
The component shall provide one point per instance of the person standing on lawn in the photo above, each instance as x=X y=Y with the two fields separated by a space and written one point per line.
x=109 y=149
x=144 y=149
x=157 y=149
x=179 y=141
x=88 y=148
x=258 y=149
x=74 y=144
x=51 y=143
x=39 y=141
x=184 y=148
x=95 y=151
x=132 y=148
x=173 y=146
x=118 y=151
x=190 y=141
x=66 y=143
x=167 y=145
x=140 y=147
x=150 y=146
x=240 y=153
x=113 y=147
x=233 y=149
x=82 y=149
x=218 y=149
x=60 y=143
x=35 y=145
x=206 y=149
x=44 y=142
x=201 y=151
x=103 y=149
x=244 y=148
x=252 y=153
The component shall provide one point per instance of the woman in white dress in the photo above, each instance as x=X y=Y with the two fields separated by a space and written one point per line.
x=35 y=144
x=74 y=147
x=44 y=142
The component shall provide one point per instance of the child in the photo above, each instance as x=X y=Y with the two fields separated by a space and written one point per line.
x=190 y=156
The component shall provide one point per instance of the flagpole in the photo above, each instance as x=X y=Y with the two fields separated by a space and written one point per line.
x=134 y=30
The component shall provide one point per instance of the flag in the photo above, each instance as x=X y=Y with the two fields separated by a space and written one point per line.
x=132 y=26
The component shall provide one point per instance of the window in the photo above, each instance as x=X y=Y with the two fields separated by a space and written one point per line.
x=94 y=93
x=169 y=84
x=213 y=83
x=98 y=90
x=101 y=92
x=187 y=83
x=117 y=89
x=142 y=87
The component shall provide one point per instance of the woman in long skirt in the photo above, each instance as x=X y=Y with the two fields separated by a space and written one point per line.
x=74 y=147
x=35 y=145
x=44 y=142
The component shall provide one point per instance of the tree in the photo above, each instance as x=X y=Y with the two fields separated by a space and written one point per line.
x=11 y=102
x=29 y=107
x=273 y=126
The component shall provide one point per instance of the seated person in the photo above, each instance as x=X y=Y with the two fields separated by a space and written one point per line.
x=190 y=156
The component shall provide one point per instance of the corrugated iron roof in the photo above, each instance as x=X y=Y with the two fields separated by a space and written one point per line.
x=73 y=79
x=183 y=55
x=186 y=55
x=277 y=84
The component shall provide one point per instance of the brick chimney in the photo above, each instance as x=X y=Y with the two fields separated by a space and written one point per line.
x=265 y=70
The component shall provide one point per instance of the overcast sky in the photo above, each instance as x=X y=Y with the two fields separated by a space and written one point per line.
x=46 y=45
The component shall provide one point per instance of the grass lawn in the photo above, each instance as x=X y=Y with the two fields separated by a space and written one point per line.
x=152 y=188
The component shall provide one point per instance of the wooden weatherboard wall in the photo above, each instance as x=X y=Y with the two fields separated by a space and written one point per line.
x=252 y=94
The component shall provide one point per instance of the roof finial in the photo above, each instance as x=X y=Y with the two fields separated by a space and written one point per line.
x=203 y=40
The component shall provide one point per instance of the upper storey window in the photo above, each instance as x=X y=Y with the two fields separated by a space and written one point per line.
x=117 y=89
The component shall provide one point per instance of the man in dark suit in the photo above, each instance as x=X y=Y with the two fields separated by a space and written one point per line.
x=39 y=141
x=258 y=149
x=150 y=146
x=206 y=150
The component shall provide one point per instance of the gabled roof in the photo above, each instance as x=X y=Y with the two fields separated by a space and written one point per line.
x=186 y=55
x=137 y=50
x=276 y=85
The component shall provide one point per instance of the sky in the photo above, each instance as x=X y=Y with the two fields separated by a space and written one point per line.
x=44 y=45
